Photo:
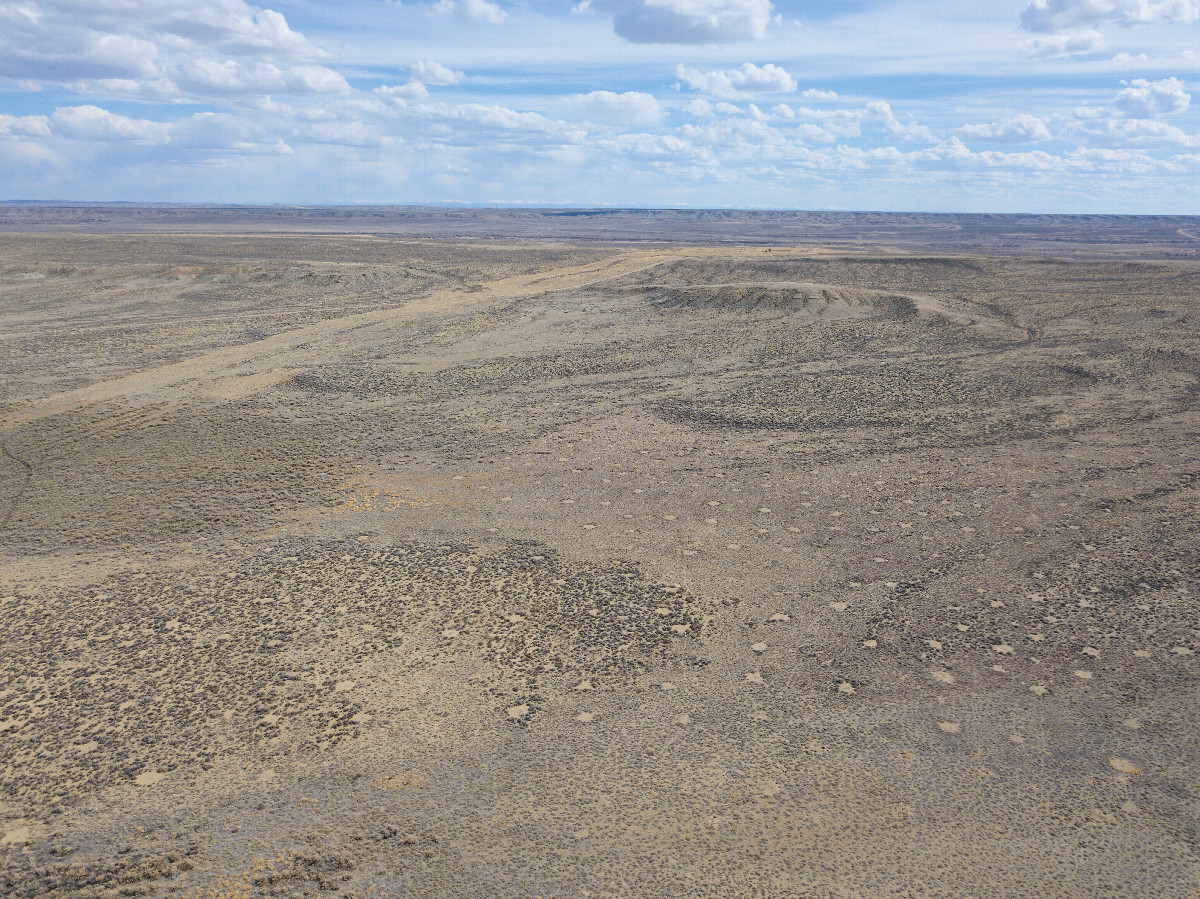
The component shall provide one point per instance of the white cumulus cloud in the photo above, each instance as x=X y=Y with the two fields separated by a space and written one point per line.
x=1073 y=27
x=160 y=49
x=1019 y=129
x=429 y=72
x=880 y=112
x=687 y=21
x=414 y=90
x=746 y=79
x=25 y=126
x=1133 y=117
x=471 y=10
x=1055 y=16
x=1069 y=43
x=1110 y=131
x=619 y=110
x=950 y=150
x=94 y=123
x=1142 y=99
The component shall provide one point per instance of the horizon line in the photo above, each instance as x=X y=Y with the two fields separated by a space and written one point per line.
x=467 y=206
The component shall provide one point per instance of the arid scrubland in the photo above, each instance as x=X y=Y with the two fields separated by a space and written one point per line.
x=366 y=565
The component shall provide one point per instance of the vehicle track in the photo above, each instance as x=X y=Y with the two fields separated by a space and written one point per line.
x=213 y=372
x=28 y=468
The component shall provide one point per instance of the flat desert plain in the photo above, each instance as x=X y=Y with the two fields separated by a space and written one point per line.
x=493 y=563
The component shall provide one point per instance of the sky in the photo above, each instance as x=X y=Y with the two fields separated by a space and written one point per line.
x=1079 y=106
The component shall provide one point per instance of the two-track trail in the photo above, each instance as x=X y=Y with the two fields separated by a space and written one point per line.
x=246 y=368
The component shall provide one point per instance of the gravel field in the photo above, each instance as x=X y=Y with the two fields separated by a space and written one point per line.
x=378 y=564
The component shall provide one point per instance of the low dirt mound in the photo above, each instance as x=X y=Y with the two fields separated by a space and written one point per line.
x=823 y=301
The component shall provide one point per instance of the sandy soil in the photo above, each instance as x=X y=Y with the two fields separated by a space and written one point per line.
x=369 y=566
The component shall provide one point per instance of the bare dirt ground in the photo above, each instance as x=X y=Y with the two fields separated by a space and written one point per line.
x=363 y=565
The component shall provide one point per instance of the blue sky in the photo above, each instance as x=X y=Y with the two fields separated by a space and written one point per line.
x=1028 y=105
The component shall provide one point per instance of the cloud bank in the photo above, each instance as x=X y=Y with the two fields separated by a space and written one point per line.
x=168 y=50
x=633 y=102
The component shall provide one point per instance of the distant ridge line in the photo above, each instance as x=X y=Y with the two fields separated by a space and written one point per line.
x=1002 y=233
